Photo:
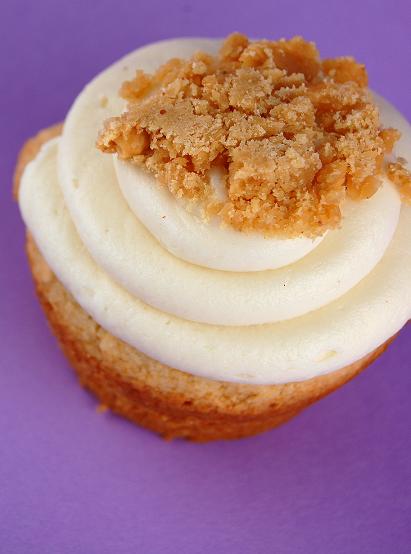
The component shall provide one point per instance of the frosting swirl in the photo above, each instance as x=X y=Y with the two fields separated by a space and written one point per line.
x=236 y=306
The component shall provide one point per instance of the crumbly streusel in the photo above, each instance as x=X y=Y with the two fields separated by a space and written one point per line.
x=294 y=135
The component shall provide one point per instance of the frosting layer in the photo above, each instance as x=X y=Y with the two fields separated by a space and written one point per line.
x=133 y=257
x=186 y=235
x=97 y=222
x=298 y=349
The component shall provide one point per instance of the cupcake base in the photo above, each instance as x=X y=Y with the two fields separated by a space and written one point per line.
x=167 y=401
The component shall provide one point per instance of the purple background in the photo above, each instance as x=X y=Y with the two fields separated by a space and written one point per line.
x=336 y=479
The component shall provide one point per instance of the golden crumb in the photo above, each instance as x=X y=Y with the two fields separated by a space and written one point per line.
x=294 y=135
x=103 y=101
x=401 y=176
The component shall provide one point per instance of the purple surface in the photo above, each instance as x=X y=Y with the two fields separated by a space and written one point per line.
x=336 y=479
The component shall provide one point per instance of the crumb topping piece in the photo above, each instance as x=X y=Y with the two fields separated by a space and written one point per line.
x=401 y=176
x=294 y=135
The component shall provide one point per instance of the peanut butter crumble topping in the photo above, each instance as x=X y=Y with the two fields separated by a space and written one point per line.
x=293 y=135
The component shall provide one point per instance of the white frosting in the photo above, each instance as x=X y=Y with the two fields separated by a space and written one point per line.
x=326 y=310
x=132 y=257
x=298 y=349
x=187 y=236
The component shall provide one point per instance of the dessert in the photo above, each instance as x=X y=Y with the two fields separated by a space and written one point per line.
x=219 y=234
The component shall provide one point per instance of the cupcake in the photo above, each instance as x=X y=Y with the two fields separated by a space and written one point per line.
x=219 y=232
